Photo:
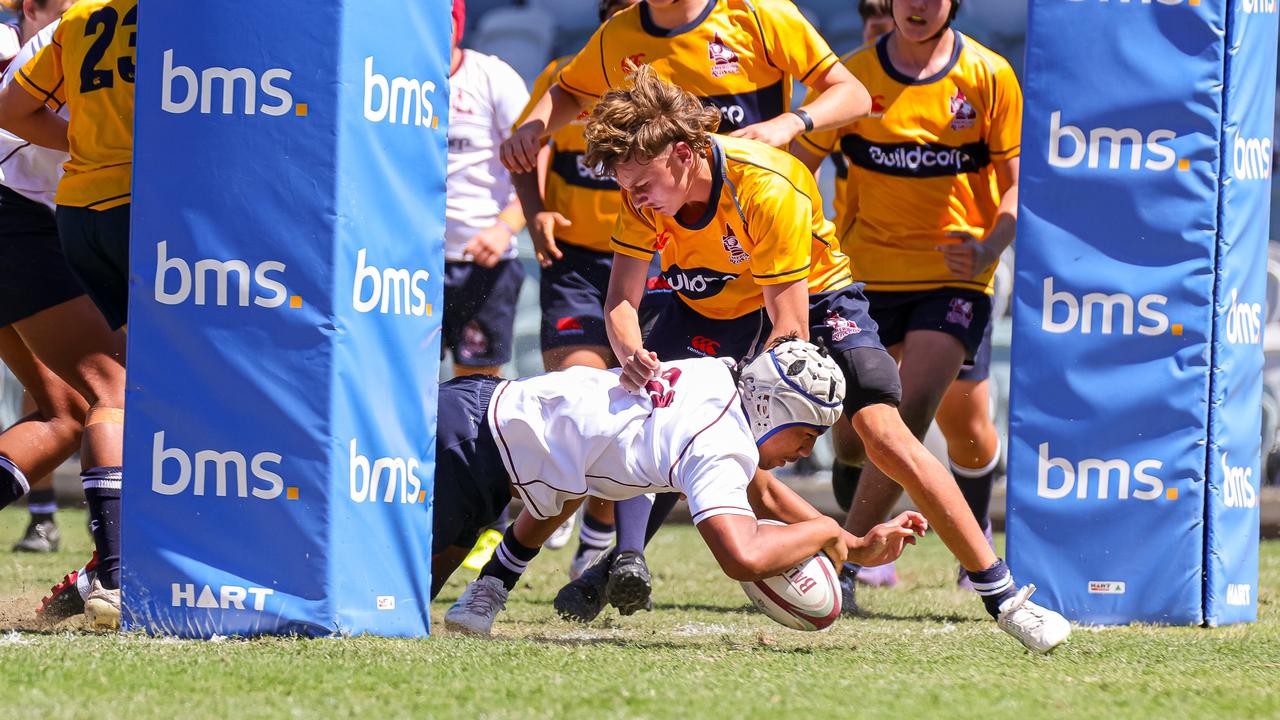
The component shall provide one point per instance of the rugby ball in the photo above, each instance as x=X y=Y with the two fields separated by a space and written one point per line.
x=805 y=597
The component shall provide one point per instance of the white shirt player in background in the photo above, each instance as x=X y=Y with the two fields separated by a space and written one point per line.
x=29 y=170
x=694 y=430
x=482 y=215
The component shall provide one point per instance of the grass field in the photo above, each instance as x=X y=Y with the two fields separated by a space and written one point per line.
x=922 y=650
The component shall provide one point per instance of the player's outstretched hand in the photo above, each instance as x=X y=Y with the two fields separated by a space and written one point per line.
x=519 y=153
x=543 y=232
x=968 y=257
x=886 y=541
x=488 y=246
x=778 y=132
x=639 y=369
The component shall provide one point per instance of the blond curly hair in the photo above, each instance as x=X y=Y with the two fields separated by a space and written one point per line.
x=639 y=121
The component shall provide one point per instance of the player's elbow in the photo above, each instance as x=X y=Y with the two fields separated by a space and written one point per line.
x=744 y=565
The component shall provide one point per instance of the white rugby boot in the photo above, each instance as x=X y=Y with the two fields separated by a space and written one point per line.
x=102 y=607
x=1038 y=628
x=479 y=604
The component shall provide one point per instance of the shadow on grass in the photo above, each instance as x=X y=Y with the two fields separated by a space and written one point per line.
x=740 y=643
x=924 y=616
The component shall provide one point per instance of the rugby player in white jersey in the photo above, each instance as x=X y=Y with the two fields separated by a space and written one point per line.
x=700 y=429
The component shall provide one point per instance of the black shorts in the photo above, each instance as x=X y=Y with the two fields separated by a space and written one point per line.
x=37 y=276
x=96 y=245
x=480 y=312
x=472 y=488
x=980 y=368
x=963 y=314
x=572 y=293
x=678 y=332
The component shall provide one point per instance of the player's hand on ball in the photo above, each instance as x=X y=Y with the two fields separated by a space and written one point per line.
x=886 y=541
x=543 y=232
x=639 y=369
x=519 y=153
x=967 y=258
x=488 y=246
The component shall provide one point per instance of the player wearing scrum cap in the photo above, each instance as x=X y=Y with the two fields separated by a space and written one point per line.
x=745 y=217
x=699 y=428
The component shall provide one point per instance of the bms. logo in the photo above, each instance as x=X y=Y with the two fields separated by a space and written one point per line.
x=226 y=91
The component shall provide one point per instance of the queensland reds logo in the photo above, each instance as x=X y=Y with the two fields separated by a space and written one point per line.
x=960 y=312
x=841 y=328
x=723 y=59
x=630 y=63
x=877 y=106
x=965 y=115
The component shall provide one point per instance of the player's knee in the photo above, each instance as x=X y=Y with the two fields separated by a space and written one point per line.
x=871 y=377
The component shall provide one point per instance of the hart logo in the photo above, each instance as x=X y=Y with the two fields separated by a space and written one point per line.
x=1069 y=146
x=1101 y=313
x=1244 y=321
x=1239 y=595
x=398 y=101
x=1077 y=477
x=226 y=597
x=396 y=477
x=390 y=291
x=1237 y=486
x=230 y=471
x=696 y=283
x=1251 y=158
x=1252 y=7
x=1106 y=587
x=210 y=280
x=217 y=90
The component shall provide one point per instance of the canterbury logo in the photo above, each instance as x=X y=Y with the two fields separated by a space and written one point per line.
x=705 y=345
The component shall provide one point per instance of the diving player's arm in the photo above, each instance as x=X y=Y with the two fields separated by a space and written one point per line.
x=622 y=321
x=26 y=116
x=842 y=101
x=748 y=551
x=788 y=308
x=773 y=499
x=555 y=109
x=969 y=257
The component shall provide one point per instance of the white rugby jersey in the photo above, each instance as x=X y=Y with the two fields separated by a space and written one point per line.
x=564 y=435
x=30 y=170
x=485 y=97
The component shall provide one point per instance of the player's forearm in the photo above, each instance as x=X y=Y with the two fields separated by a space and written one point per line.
x=526 y=185
x=776 y=549
x=1001 y=235
x=771 y=498
x=788 y=308
x=844 y=101
x=622 y=325
x=24 y=116
x=556 y=108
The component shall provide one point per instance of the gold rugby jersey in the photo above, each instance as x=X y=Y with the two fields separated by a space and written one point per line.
x=763 y=226
x=89 y=66
x=738 y=55
x=920 y=163
x=574 y=190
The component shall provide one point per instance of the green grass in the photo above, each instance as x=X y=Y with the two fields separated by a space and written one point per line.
x=925 y=650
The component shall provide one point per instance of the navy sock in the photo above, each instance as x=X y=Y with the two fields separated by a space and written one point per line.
x=13 y=483
x=975 y=484
x=995 y=585
x=594 y=535
x=632 y=518
x=102 y=491
x=509 y=561
x=844 y=483
x=663 y=504
x=42 y=504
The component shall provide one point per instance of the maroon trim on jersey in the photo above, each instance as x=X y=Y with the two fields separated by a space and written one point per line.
x=704 y=511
